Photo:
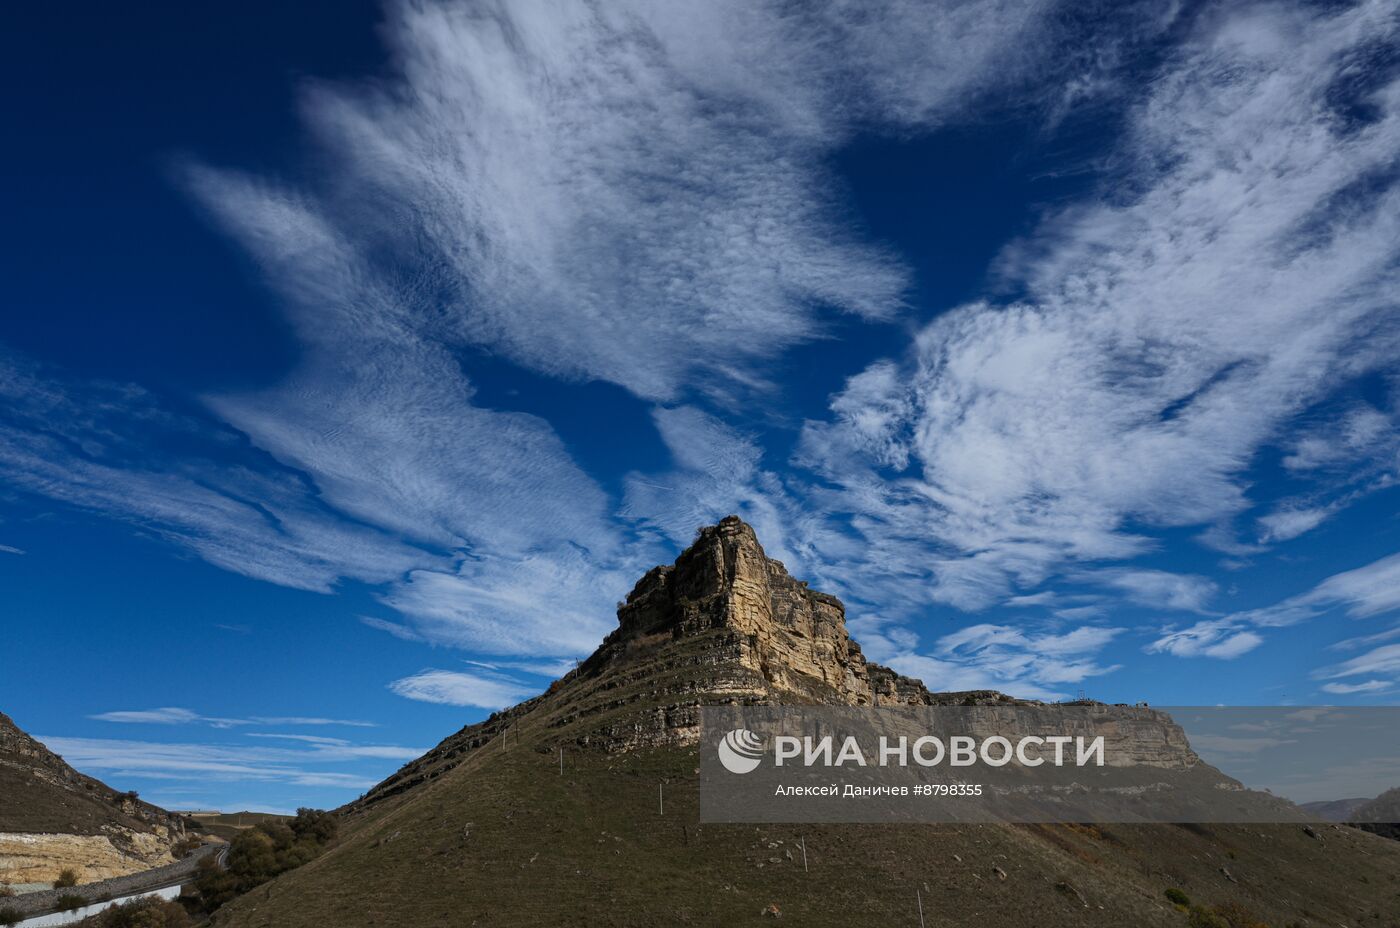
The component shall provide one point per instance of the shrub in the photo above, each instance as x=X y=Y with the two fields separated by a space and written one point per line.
x=6 y=890
x=9 y=916
x=1177 y=897
x=262 y=852
x=150 y=912
x=66 y=878
x=70 y=901
x=186 y=846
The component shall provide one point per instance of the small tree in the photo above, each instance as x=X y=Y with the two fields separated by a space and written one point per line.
x=66 y=878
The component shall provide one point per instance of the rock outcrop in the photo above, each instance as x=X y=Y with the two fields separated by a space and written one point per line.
x=40 y=858
x=54 y=818
x=728 y=625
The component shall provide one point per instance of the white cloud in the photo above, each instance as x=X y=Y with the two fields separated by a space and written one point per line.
x=1013 y=660
x=632 y=192
x=1362 y=593
x=1382 y=660
x=454 y=688
x=1360 y=432
x=547 y=603
x=1230 y=279
x=1158 y=588
x=1361 y=641
x=636 y=193
x=166 y=716
x=174 y=715
x=380 y=415
x=1347 y=689
x=202 y=762
x=1218 y=638
x=91 y=445
x=10 y=549
x=1290 y=522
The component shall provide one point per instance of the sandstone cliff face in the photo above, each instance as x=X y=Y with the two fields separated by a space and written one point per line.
x=792 y=638
x=40 y=858
x=727 y=625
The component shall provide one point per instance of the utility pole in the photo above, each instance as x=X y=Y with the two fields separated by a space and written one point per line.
x=920 y=896
x=803 y=839
x=660 y=799
x=561 y=760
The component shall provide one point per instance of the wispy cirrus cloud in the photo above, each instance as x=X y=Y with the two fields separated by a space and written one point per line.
x=97 y=446
x=1223 y=639
x=1157 y=588
x=312 y=766
x=1361 y=593
x=1168 y=331
x=456 y=688
x=1351 y=689
x=635 y=193
x=1011 y=659
x=175 y=715
x=1384 y=660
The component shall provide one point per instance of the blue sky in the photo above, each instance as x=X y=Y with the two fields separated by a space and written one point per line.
x=357 y=359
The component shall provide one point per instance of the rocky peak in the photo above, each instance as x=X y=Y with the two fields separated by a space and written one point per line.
x=793 y=637
x=724 y=624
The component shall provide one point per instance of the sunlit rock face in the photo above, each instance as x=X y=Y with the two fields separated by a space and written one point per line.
x=40 y=858
x=794 y=638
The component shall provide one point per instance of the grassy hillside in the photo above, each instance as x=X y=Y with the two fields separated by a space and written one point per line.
x=504 y=839
x=227 y=825
x=40 y=793
x=485 y=830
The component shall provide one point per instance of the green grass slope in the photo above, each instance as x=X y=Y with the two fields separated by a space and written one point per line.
x=504 y=839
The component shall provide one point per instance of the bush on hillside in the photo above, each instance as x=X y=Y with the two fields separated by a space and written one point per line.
x=66 y=878
x=150 y=912
x=70 y=901
x=10 y=916
x=186 y=846
x=262 y=852
x=1177 y=897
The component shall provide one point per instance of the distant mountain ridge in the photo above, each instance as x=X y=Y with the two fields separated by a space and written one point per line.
x=1379 y=816
x=1334 y=810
